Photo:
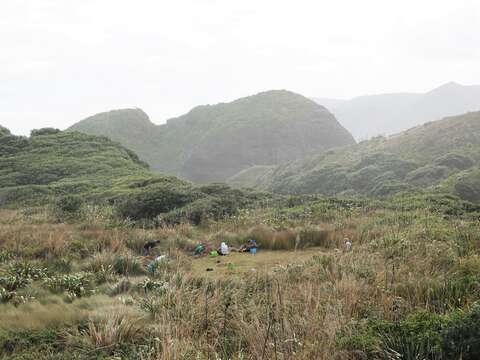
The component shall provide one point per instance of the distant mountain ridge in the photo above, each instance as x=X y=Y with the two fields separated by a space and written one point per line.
x=385 y=114
x=440 y=155
x=214 y=142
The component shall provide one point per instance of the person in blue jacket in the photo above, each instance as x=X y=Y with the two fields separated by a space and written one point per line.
x=251 y=244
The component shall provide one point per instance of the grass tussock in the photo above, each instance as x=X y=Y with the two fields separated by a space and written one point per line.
x=408 y=287
x=108 y=332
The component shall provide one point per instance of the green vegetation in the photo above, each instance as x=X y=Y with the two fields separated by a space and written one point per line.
x=438 y=156
x=4 y=131
x=466 y=184
x=71 y=171
x=77 y=209
x=212 y=143
x=408 y=289
x=56 y=163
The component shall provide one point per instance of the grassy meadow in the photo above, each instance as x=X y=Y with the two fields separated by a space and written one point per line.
x=78 y=286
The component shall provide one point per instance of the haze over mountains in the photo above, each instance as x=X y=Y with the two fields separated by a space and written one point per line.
x=276 y=141
x=443 y=155
x=214 y=142
x=385 y=114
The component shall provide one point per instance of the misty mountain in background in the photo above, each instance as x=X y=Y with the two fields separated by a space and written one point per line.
x=442 y=155
x=385 y=114
x=214 y=142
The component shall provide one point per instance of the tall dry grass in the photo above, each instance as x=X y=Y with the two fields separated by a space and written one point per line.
x=398 y=265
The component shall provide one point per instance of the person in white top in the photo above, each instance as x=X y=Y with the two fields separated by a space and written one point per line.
x=348 y=245
x=223 y=250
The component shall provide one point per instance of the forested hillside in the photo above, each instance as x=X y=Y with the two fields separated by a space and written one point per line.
x=214 y=142
x=51 y=165
x=444 y=152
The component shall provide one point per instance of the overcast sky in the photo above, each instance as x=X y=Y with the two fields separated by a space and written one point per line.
x=63 y=60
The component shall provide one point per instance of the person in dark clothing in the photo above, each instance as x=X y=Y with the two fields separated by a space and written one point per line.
x=149 y=245
x=251 y=244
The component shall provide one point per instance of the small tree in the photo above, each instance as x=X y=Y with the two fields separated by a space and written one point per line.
x=44 y=131
x=68 y=205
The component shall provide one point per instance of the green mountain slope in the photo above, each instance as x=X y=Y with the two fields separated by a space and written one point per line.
x=52 y=164
x=214 y=142
x=423 y=157
x=131 y=127
x=55 y=162
x=465 y=185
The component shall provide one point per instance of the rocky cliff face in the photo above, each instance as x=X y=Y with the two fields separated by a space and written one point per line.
x=212 y=143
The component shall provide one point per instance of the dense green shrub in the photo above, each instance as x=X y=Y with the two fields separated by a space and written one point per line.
x=446 y=204
x=19 y=344
x=172 y=201
x=10 y=144
x=68 y=205
x=27 y=270
x=156 y=199
x=13 y=282
x=461 y=337
x=388 y=188
x=330 y=180
x=455 y=161
x=76 y=285
x=428 y=175
x=421 y=335
x=417 y=337
x=4 y=131
x=65 y=164
x=467 y=185
x=364 y=177
x=44 y=131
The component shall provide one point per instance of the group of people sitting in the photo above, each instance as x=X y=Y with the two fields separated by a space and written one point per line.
x=204 y=249
x=223 y=250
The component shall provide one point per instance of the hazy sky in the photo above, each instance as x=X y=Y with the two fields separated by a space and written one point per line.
x=63 y=60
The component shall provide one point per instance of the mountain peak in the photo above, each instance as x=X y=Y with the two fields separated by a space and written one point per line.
x=214 y=142
x=132 y=113
x=120 y=117
x=446 y=87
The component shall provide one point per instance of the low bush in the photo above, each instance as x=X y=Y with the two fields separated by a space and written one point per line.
x=123 y=263
x=422 y=335
x=108 y=333
x=44 y=131
x=67 y=207
x=27 y=270
x=76 y=285
x=455 y=161
x=12 y=282
x=6 y=295
x=428 y=175
x=20 y=344
x=461 y=337
x=128 y=264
